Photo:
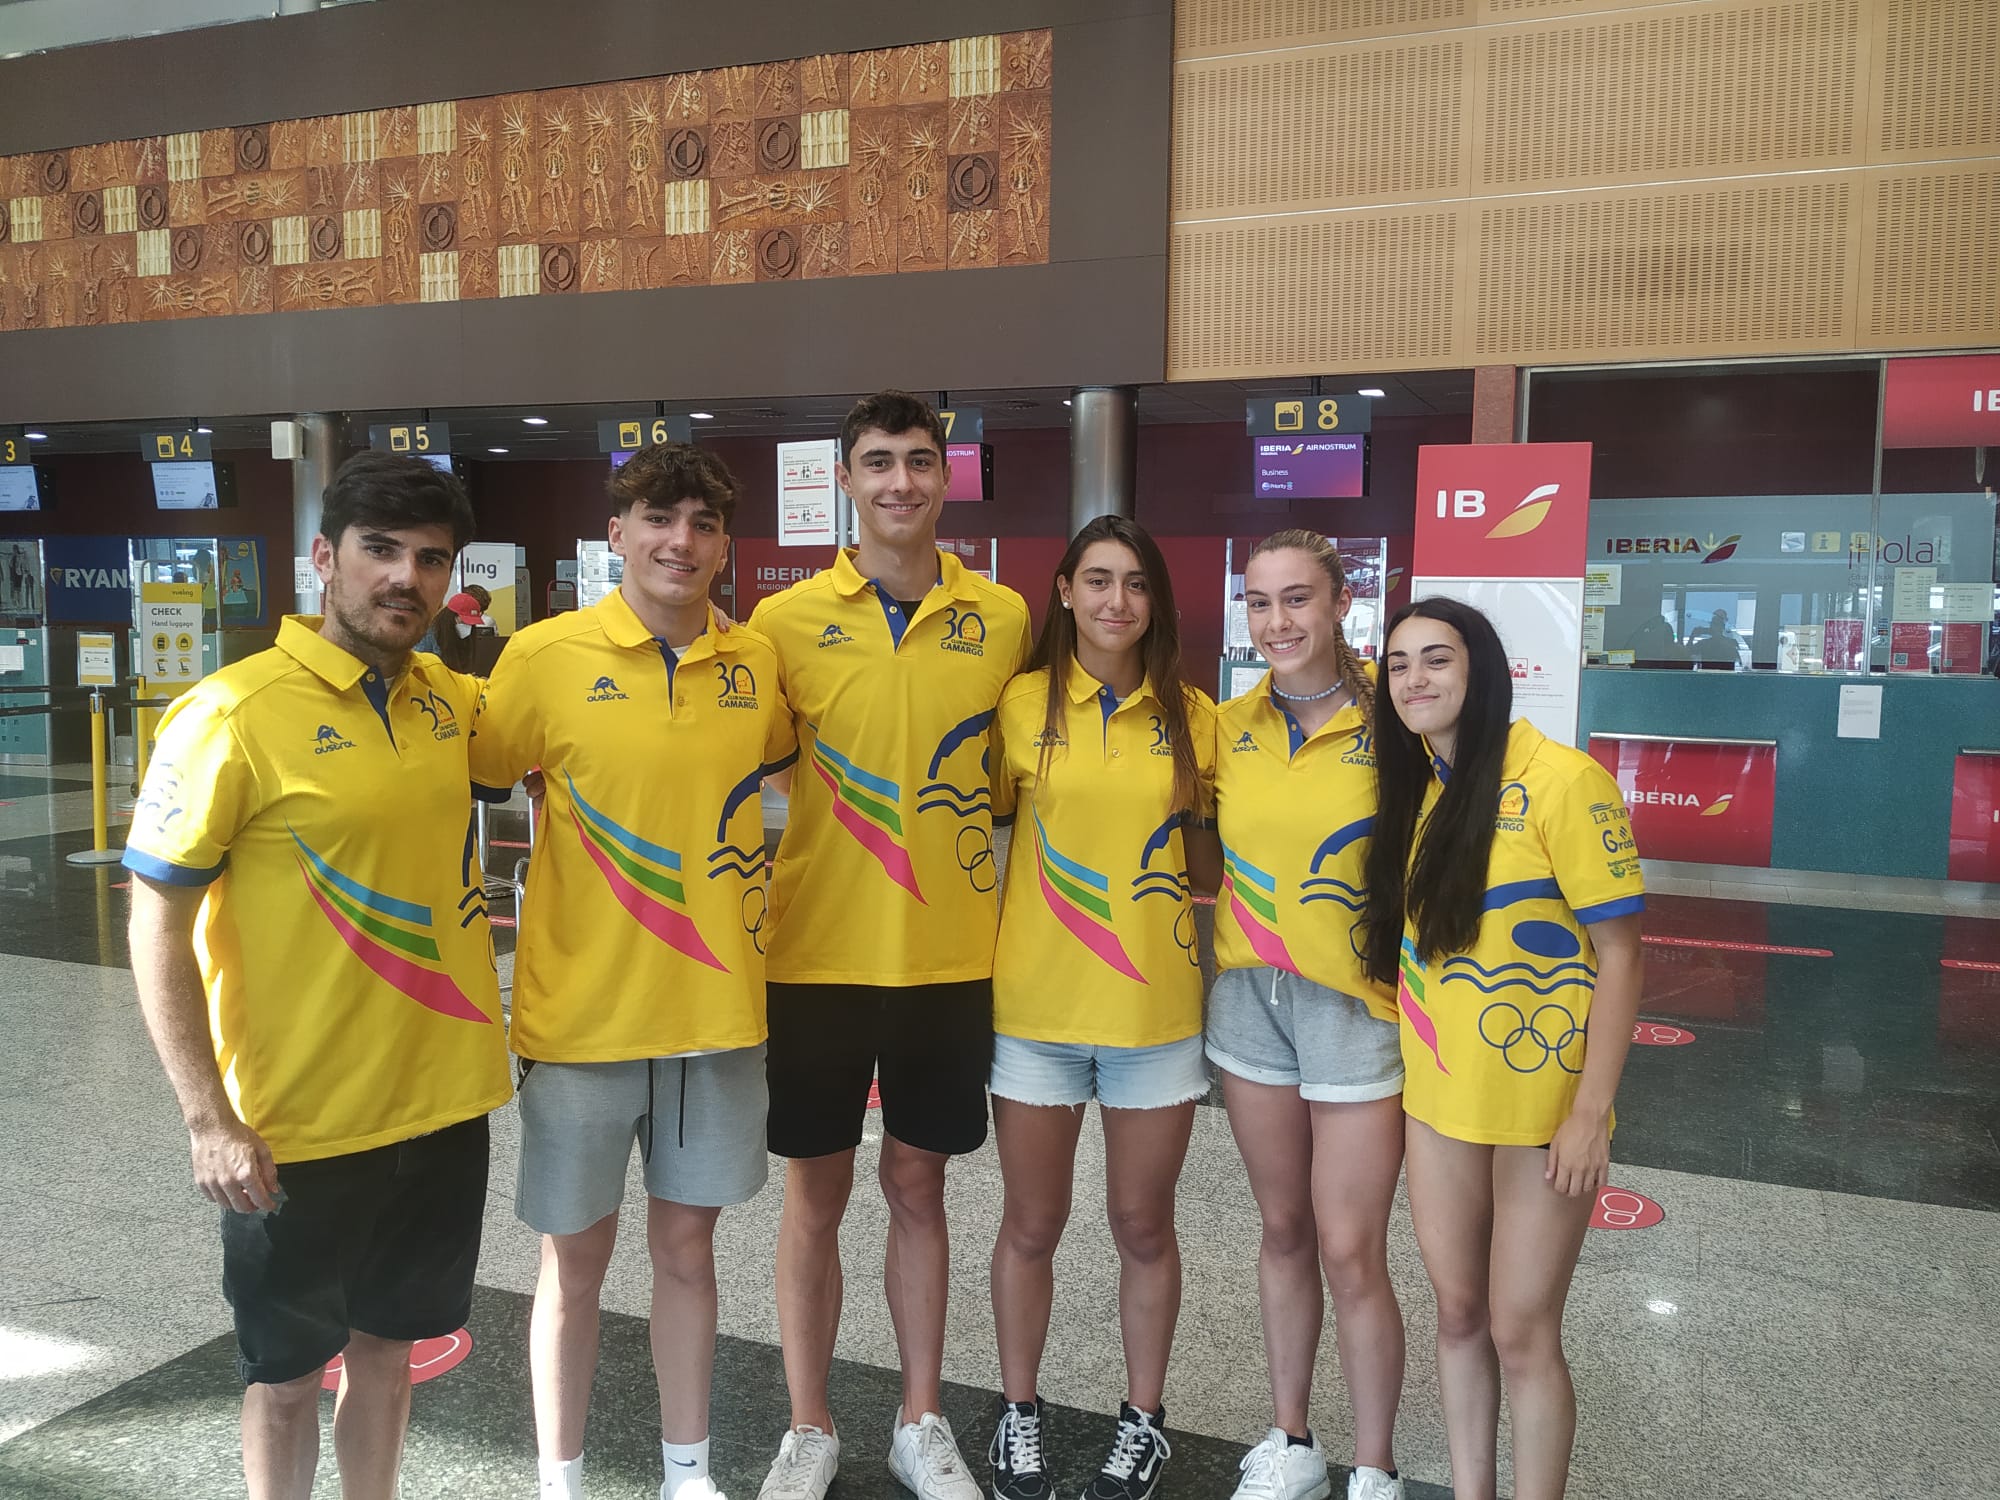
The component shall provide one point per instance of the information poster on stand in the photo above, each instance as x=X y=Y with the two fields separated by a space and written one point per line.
x=808 y=497
x=170 y=655
x=491 y=566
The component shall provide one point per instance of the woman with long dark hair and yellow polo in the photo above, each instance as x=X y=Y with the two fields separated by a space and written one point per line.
x=1306 y=1042
x=1106 y=758
x=1503 y=900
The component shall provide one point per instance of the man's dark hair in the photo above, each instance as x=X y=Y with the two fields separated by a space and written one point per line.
x=893 y=412
x=665 y=474
x=393 y=492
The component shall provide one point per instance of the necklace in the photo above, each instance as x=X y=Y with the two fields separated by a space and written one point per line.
x=1307 y=697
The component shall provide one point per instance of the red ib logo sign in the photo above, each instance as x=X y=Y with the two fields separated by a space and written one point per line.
x=1620 y=1208
x=1502 y=510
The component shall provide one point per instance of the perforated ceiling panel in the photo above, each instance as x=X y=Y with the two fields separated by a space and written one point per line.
x=1317 y=294
x=1931 y=257
x=1940 y=77
x=1658 y=270
x=1207 y=27
x=1667 y=95
x=1317 y=129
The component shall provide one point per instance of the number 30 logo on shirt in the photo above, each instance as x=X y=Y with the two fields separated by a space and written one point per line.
x=737 y=686
x=964 y=631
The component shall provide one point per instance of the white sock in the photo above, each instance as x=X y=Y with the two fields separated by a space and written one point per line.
x=684 y=1462
x=562 y=1478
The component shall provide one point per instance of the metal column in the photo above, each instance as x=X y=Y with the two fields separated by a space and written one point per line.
x=1103 y=452
x=312 y=471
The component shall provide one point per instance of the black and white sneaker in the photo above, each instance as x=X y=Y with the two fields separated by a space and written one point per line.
x=1016 y=1453
x=1138 y=1455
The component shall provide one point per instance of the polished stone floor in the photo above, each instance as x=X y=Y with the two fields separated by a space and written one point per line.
x=1818 y=1313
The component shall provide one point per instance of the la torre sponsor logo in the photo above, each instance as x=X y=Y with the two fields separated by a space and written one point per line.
x=1715 y=549
x=1518 y=519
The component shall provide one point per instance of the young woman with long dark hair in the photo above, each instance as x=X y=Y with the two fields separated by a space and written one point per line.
x=1503 y=900
x=1306 y=1041
x=1107 y=759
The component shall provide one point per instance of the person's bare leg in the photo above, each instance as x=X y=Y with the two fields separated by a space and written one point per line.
x=682 y=1241
x=1537 y=1234
x=371 y=1413
x=1274 y=1134
x=1357 y=1156
x=1143 y=1153
x=562 y=1334
x=281 y=1437
x=1451 y=1205
x=809 y=1282
x=916 y=1271
x=1037 y=1148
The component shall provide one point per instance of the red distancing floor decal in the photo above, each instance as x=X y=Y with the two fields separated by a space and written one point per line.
x=1977 y=966
x=875 y=1095
x=429 y=1358
x=1660 y=1034
x=1688 y=942
x=1621 y=1208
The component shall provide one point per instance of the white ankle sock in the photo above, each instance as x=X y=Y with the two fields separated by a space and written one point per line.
x=562 y=1478
x=684 y=1462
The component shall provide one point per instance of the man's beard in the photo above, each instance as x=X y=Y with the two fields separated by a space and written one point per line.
x=360 y=621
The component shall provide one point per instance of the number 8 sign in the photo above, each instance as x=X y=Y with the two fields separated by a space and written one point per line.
x=1660 y=1034
x=1620 y=1208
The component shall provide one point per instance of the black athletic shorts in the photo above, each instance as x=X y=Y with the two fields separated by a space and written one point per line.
x=930 y=1045
x=382 y=1242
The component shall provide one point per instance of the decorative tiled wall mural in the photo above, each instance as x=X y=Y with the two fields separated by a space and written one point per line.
x=910 y=159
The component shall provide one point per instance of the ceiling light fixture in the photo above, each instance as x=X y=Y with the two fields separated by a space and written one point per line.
x=206 y=431
x=1065 y=401
x=1373 y=390
x=536 y=421
x=701 y=416
x=496 y=450
x=36 y=437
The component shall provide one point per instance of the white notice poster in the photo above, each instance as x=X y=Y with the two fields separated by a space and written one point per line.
x=1860 y=716
x=1911 y=597
x=807 y=494
x=1540 y=622
x=1603 y=583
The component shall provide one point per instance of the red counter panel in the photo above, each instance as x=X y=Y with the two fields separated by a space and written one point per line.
x=1701 y=803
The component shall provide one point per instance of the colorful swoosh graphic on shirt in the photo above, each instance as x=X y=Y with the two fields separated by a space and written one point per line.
x=1080 y=898
x=391 y=936
x=1253 y=900
x=1410 y=999
x=644 y=877
x=868 y=806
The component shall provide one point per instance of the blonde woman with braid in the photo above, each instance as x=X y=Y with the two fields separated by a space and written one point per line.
x=1312 y=1069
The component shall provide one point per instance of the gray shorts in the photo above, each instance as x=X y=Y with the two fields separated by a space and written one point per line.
x=1277 y=1028
x=698 y=1123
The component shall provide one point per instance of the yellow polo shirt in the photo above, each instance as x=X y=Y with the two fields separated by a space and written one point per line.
x=343 y=942
x=1493 y=1039
x=885 y=875
x=1295 y=812
x=1097 y=942
x=642 y=926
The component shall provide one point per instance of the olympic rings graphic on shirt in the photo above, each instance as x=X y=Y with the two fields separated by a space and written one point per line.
x=1526 y=1033
x=1184 y=934
x=977 y=858
x=756 y=906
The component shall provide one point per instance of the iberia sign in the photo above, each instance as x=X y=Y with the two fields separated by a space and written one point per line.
x=1502 y=510
x=1705 y=804
x=1948 y=402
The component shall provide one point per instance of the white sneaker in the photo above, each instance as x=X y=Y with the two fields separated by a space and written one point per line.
x=1374 y=1484
x=806 y=1463
x=694 y=1489
x=1279 y=1469
x=923 y=1457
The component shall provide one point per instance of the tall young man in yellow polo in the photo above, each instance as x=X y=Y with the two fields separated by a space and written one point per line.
x=310 y=943
x=881 y=961
x=639 y=979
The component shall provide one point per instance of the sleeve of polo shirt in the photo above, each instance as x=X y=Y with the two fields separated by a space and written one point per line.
x=1201 y=722
x=200 y=791
x=781 y=735
x=507 y=739
x=1588 y=834
x=999 y=774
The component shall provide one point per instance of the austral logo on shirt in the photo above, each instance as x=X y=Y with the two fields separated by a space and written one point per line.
x=444 y=723
x=604 y=690
x=833 y=635
x=964 y=631
x=327 y=739
x=1245 y=742
x=738 y=686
